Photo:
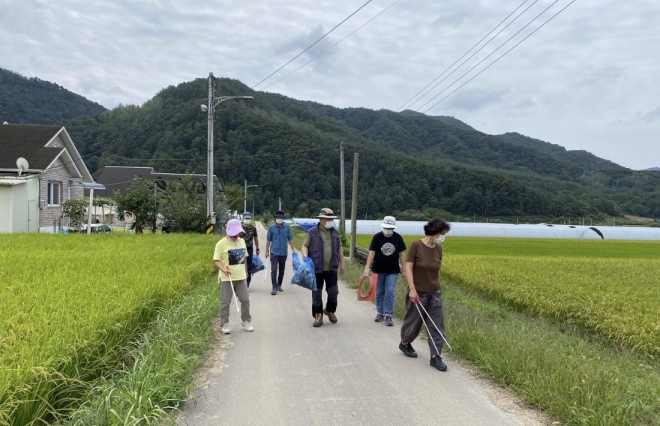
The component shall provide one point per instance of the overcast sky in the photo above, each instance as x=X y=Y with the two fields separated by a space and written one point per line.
x=586 y=80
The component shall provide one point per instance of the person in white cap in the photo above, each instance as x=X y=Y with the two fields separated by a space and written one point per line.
x=323 y=246
x=230 y=258
x=386 y=252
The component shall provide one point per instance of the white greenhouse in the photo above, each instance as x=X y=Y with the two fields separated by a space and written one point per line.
x=469 y=229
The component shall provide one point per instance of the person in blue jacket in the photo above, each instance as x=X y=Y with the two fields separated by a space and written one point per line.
x=277 y=238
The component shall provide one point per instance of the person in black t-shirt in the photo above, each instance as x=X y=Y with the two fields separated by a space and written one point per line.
x=386 y=251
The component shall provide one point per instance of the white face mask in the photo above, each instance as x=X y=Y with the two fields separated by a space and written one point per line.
x=329 y=225
x=388 y=232
x=440 y=240
x=246 y=221
x=279 y=221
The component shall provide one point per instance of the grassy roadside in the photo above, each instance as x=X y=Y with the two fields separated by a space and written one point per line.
x=158 y=366
x=572 y=376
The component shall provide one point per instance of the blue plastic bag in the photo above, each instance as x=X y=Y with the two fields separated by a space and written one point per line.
x=257 y=265
x=303 y=272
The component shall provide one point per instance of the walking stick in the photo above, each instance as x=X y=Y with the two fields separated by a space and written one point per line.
x=417 y=305
x=234 y=292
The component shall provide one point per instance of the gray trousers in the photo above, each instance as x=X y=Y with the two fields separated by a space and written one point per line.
x=412 y=322
x=240 y=287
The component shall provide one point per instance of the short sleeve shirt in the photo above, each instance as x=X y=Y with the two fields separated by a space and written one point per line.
x=248 y=236
x=326 y=237
x=232 y=253
x=279 y=236
x=387 y=249
x=426 y=265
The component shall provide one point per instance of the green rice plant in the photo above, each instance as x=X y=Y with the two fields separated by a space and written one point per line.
x=69 y=303
x=615 y=298
x=609 y=287
x=576 y=379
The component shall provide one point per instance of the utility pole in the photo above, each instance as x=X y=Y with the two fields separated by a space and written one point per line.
x=153 y=230
x=351 y=252
x=280 y=205
x=210 y=217
x=342 y=223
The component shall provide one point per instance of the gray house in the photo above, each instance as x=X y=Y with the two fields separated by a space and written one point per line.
x=40 y=169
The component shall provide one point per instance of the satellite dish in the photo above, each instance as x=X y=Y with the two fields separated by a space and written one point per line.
x=22 y=165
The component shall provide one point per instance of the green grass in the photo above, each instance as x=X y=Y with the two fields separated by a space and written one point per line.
x=156 y=374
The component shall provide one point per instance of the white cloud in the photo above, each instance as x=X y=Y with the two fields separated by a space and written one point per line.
x=585 y=80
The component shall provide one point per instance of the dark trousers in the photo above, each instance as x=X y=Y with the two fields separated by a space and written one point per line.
x=277 y=264
x=412 y=322
x=249 y=265
x=329 y=279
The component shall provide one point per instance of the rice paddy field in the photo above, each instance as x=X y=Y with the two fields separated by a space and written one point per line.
x=69 y=303
x=572 y=326
x=609 y=287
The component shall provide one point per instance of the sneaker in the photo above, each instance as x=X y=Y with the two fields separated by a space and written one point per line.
x=436 y=362
x=408 y=350
x=388 y=321
x=280 y=288
x=331 y=316
x=318 y=320
x=274 y=292
x=247 y=325
x=225 y=329
x=380 y=318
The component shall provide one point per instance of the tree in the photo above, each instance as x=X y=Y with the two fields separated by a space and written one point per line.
x=137 y=202
x=185 y=206
x=75 y=210
x=234 y=195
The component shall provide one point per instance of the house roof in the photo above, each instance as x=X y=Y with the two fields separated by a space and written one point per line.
x=118 y=178
x=33 y=144
x=28 y=142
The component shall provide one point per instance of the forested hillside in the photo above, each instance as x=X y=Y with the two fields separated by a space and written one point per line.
x=33 y=101
x=410 y=164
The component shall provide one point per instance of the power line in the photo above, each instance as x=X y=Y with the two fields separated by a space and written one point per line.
x=331 y=47
x=312 y=45
x=492 y=63
x=489 y=55
x=465 y=54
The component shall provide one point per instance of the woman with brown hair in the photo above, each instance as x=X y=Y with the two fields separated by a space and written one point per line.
x=423 y=272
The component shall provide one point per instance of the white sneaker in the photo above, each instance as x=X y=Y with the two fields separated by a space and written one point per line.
x=247 y=325
x=225 y=329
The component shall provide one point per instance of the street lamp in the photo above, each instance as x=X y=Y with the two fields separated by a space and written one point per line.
x=213 y=102
x=245 y=195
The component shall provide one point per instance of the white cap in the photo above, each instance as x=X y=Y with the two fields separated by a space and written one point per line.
x=389 y=222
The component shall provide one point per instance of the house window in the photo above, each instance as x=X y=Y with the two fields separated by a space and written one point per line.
x=54 y=193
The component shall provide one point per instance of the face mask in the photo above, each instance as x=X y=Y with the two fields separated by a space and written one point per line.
x=279 y=221
x=329 y=225
x=440 y=240
x=246 y=221
x=388 y=232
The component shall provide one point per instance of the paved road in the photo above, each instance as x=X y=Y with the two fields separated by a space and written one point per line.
x=351 y=373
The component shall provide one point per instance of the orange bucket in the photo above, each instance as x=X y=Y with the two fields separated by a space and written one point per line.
x=371 y=294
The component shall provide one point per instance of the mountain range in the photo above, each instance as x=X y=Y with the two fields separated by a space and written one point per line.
x=410 y=165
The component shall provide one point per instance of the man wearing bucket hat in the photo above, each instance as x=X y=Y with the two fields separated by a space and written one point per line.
x=386 y=251
x=323 y=246
x=229 y=257
x=278 y=236
x=251 y=242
